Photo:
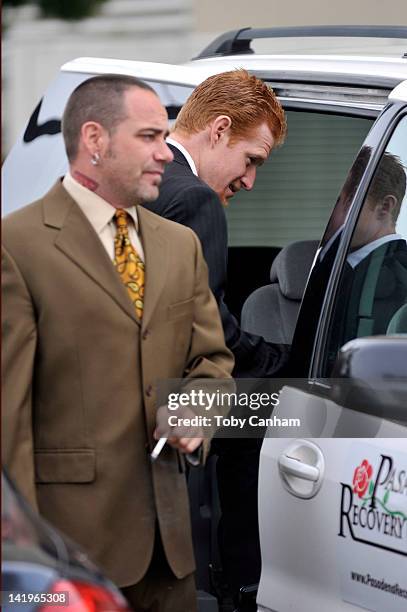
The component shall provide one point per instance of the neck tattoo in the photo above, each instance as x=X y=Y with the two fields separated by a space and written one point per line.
x=85 y=181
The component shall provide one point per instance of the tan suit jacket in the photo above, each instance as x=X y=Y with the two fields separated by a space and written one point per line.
x=80 y=374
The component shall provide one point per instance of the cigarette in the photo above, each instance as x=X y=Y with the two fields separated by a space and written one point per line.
x=158 y=448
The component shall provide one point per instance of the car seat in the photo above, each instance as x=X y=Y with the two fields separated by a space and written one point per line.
x=398 y=322
x=271 y=311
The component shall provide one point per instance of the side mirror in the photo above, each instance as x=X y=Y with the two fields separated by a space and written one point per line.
x=247 y=598
x=370 y=374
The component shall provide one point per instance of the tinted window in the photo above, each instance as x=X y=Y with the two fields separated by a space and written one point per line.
x=372 y=294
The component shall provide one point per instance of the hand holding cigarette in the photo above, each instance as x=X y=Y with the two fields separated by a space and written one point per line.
x=185 y=438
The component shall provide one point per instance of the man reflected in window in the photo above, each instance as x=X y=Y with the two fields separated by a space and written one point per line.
x=374 y=283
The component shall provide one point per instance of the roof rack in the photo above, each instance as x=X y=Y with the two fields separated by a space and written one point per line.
x=238 y=41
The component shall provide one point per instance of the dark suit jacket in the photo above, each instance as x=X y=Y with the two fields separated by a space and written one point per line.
x=80 y=374
x=372 y=317
x=185 y=198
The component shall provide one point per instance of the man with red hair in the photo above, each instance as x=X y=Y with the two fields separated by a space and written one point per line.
x=223 y=133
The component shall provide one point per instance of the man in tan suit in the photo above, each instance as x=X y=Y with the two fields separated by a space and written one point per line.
x=83 y=354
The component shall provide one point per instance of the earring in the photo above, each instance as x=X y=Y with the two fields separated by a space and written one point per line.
x=95 y=159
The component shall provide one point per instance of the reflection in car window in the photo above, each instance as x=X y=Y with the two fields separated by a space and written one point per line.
x=372 y=295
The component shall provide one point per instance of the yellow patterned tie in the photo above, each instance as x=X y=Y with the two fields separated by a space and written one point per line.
x=128 y=263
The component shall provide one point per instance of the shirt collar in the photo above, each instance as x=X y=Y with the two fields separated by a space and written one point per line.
x=185 y=153
x=359 y=255
x=97 y=210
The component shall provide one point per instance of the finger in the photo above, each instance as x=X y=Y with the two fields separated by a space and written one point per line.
x=189 y=445
x=173 y=441
x=163 y=428
x=161 y=432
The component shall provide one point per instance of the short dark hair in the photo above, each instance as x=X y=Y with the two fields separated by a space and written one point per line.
x=99 y=99
x=389 y=178
x=356 y=172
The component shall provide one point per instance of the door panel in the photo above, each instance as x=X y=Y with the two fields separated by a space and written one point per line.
x=344 y=548
x=310 y=560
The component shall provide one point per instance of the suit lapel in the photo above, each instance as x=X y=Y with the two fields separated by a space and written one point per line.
x=156 y=251
x=179 y=157
x=78 y=241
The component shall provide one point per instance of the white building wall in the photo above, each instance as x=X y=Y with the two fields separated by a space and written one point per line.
x=230 y=14
x=34 y=49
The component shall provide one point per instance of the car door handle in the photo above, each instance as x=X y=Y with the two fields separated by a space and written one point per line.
x=302 y=466
x=296 y=467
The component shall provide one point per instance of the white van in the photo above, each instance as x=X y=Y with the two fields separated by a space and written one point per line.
x=333 y=500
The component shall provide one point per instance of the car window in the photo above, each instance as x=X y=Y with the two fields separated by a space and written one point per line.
x=372 y=293
x=292 y=198
x=296 y=188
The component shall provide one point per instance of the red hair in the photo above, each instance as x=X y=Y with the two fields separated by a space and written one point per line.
x=246 y=99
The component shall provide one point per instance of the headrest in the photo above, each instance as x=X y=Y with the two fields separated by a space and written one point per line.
x=398 y=322
x=291 y=267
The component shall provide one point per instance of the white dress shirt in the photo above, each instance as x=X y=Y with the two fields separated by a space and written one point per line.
x=184 y=152
x=359 y=255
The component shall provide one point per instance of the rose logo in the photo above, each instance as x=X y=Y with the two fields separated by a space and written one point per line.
x=361 y=478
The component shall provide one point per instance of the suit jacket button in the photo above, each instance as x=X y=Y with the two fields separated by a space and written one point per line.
x=149 y=390
x=146 y=332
